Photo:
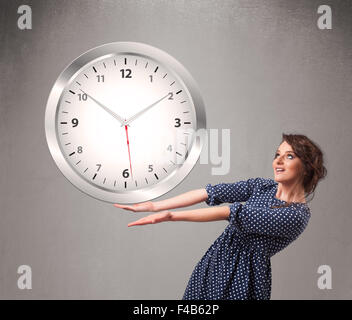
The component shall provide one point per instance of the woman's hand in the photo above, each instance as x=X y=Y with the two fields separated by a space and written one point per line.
x=148 y=206
x=152 y=218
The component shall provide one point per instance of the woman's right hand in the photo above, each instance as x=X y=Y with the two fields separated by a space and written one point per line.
x=153 y=218
x=147 y=206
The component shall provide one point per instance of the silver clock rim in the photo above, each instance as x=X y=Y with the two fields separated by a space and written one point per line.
x=125 y=196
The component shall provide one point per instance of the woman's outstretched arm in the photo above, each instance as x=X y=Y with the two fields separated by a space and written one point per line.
x=202 y=215
x=183 y=200
x=197 y=215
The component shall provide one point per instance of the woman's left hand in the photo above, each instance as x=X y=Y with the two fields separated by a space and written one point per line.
x=152 y=219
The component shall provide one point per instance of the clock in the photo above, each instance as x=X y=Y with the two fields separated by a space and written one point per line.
x=125 y=122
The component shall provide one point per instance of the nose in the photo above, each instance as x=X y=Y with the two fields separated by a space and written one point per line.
x=279 y=159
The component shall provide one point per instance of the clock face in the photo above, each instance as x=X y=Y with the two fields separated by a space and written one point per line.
x=123 y=122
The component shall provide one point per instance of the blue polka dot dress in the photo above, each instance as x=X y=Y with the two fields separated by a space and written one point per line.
x=237 y=265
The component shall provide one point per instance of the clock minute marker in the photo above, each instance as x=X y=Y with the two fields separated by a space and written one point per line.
x=165 y=170
x=78 y=83
x=85 y=170
x=72 y=153
x=178 y=91
x=72 y=92
x=172 y=83
x=95 y=70
x=104 y=65
x=86 y=76
x=156 y=176
x=78 y=162
x=114 y=62
x=156 y=69
x=104 y=180
x=165 y=75
x=67 y=101
x=94 y=176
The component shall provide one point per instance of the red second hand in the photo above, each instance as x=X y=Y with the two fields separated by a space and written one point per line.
x=129 y=155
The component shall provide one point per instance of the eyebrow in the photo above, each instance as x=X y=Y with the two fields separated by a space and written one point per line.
x=286 y=151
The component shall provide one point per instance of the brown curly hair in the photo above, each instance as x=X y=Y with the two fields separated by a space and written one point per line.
x=312 y=159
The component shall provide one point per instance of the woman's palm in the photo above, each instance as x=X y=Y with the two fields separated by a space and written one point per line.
x=152 y=218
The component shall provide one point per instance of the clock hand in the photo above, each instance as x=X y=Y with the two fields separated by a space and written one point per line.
x=134 y=117
x=115 y=115
x=129 y=155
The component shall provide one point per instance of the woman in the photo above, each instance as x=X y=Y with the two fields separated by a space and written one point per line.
x=237 y=265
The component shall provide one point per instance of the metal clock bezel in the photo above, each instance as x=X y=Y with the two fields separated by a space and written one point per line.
x=124 y=196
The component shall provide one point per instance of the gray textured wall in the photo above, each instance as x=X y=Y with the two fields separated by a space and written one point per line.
x=264 y=65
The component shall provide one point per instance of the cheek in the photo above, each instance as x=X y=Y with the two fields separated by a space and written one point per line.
x=295 y=166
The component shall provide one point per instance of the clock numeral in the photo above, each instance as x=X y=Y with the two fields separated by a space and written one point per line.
x=150 y=168
x=99 y=166
x=171 y=96
x=126 y=73
x=151 y=78
x=74 y=122
x=178 y=122
x=79 y=149
x=125 y=173
x=101 y=78
x=169 y=148
x=82 y=97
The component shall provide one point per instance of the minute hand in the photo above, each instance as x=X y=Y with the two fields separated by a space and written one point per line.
x=134 y=117
x=115 y=115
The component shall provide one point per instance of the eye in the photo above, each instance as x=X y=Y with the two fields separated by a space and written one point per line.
x=276 y=154
x=290 y=156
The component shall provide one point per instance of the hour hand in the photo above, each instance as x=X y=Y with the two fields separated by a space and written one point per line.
x=114 y=114
x=129 y=120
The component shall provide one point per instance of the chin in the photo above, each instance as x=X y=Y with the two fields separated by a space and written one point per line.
x=279 y=178
x=284 y=179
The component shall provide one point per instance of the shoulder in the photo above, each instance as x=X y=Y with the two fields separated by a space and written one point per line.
x=262 y=183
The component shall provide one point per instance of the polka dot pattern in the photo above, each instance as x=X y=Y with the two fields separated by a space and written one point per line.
x=237 y=265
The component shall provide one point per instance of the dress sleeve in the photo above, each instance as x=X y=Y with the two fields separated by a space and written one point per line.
x=288 y=222
x=230 y=192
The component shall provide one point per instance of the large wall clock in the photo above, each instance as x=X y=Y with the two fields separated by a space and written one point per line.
x=125 y=122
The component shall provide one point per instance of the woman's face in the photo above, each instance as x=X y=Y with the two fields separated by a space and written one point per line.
x=288 y=168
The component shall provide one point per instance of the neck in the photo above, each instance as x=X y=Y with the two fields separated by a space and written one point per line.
x=290 y=192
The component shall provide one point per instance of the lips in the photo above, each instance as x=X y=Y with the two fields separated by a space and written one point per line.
x=279 y=170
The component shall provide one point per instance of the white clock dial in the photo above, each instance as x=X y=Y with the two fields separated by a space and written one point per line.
x=123 y=122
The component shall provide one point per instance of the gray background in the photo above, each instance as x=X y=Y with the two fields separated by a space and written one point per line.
x=263 y=68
